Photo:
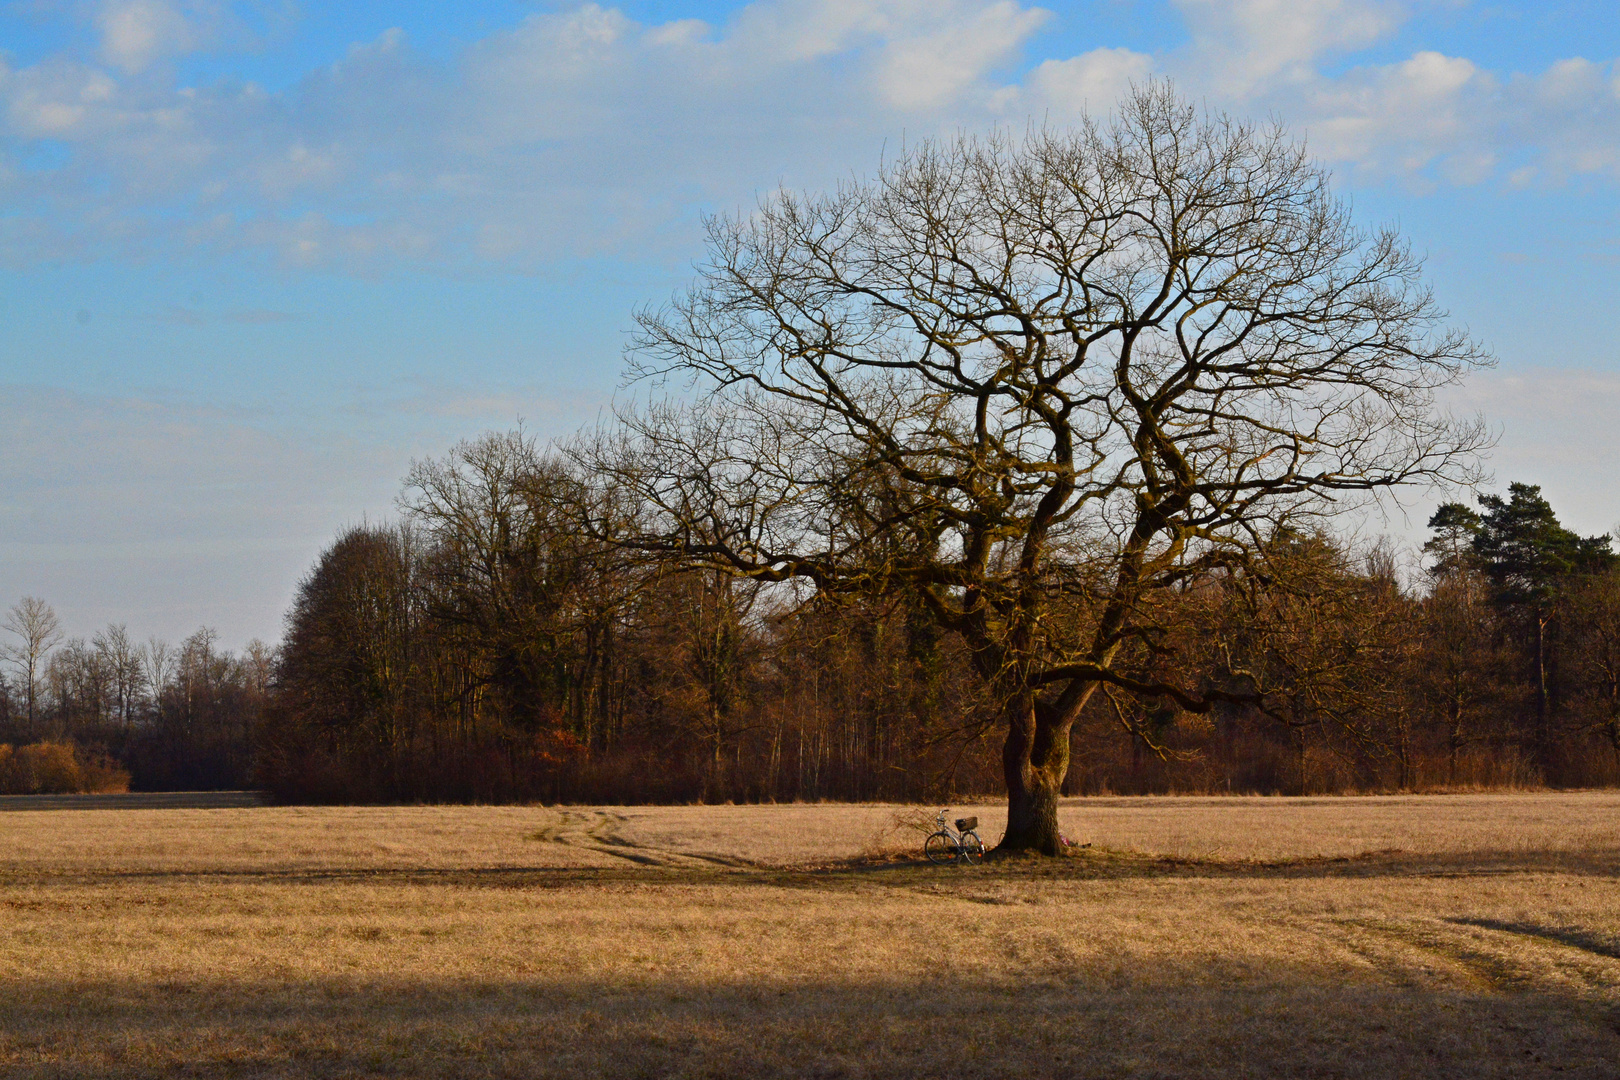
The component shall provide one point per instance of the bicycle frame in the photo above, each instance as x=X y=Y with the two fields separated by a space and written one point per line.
x=956 y=847
x=950 y=834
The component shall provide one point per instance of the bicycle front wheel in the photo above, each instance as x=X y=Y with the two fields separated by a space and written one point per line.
x=972 y=847
x=940 y=848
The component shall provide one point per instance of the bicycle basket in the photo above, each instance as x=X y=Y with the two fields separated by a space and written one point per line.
x=963 y=824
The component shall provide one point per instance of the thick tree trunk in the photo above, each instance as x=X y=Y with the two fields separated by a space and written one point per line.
x=1036 y=759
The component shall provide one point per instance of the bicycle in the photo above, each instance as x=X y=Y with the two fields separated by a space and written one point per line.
x=963 y=845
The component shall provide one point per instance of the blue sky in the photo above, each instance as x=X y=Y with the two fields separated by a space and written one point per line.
x=255 y=257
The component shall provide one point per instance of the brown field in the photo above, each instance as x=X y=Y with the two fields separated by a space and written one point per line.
x=1470 y=935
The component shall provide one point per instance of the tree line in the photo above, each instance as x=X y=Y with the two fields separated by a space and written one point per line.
x=489 y=647
x=112 y=712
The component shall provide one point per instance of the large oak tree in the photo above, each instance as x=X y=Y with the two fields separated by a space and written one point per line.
x=1042 y=384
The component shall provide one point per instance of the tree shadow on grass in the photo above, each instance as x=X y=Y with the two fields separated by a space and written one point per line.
x=1604 y=945
x=1218 y=1024
x=899 y=871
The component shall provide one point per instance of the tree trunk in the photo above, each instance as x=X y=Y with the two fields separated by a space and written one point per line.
x=1614 y=715
x=1406 y=756
x=1036 y=759
x=1541 y=684
x=1456 y=735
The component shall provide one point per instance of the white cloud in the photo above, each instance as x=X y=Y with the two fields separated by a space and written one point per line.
x=137 y=33
x=1435 y=118
x=1241 y=44
x=964 y=43
x=576 y=133
x=1402 y=117
x=1090 y=82
x=580 y=132
x=1426 y=119
x=57 y=99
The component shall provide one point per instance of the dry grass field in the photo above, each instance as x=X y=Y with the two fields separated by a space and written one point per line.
x=1466 y=936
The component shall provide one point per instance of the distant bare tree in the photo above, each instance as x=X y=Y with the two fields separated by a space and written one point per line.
x=1082 y=369
x=122 y=659
x=80 y=683
x=510 y=568
x=259 y=665
x=38 y=631
x=158 y=662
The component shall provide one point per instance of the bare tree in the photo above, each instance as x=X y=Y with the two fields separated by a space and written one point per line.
x=122 y=658
x=158 y=661
x=258 y=664
x=510 y=567
x=38 y=631
x=1078 y=369
x=80 y=683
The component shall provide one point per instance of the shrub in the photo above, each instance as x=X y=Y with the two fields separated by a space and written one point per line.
x=58 y=768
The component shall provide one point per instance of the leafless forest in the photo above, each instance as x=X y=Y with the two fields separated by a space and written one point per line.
x=477 y=652
x=101 y=714
x=483 y=650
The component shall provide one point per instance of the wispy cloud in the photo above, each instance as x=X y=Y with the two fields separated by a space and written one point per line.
x=137 y=33
x=168 y=515
x=582 y=132
x=1557 y=426
x=114 y=506
x=186 y=316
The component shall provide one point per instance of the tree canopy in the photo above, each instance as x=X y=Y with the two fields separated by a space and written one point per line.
x=1023 y=378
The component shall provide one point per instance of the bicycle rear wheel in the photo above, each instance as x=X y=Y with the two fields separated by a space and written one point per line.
x=972 y=847
x=940 y=848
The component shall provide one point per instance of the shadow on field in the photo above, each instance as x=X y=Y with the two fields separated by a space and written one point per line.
x=1607 y=946
x=1222 y=1025
x=1103 y=863
x=136 y=800
x=1103 y=964
x=1096 y=864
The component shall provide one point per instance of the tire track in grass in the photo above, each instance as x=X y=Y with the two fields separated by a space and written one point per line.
x=1492 y=956
x=601 y=831
x=1412 y=953
x=1574 y=937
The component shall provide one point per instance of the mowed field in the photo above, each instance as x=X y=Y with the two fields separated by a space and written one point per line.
x=1465 y=936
